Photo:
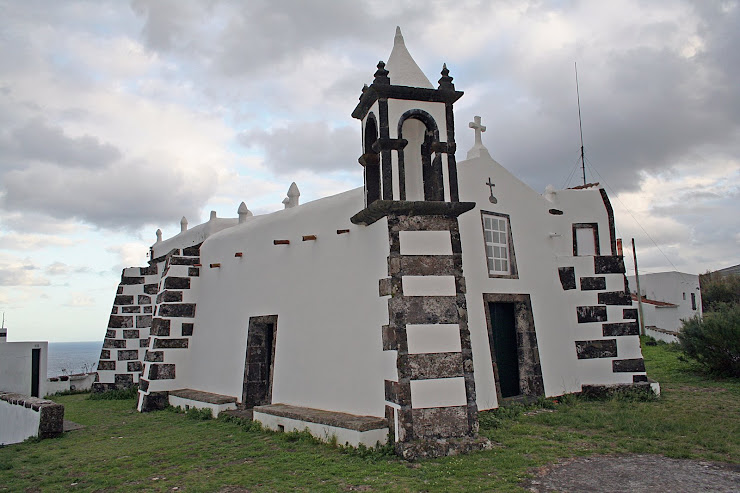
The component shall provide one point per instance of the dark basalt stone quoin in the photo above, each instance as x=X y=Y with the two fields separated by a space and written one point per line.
x=131 y=309
x=105 y=354
x=114 y=343
x=391 y=391
x=154 y=356
x=170 y=343
x=143 y=321
x=192 y=251
x=131 y=280
x=123 y=380
x=187 y=330
x=621 y=329
x=169 y=297
x=596 y=349
x=567 y=277
x=134 y=366
x=591 y=314
x=110 y=333
x=593 y=284
x=177 y=310
x=435 y=365
x=148 y=271
x=124 y=299
x=161 y=372
x=151 y=288
x=128 y=354
x=177 y=283
x=628 y=365
x=184 y=260
x=106 y=365
x=609 y=264
x=440 y=422
x=193 y=271
x=160 y=327
x=130 y=334
x=615 y=298
x=144 y=299
x=144 y=342
x=629 y=314
x=121 y=322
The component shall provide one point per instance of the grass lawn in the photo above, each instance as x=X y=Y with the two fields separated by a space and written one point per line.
x=122 y=450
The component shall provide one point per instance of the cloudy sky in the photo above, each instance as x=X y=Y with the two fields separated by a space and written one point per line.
x=118 y=118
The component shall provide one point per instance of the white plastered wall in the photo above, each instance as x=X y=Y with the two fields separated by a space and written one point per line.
x=15 y=366
x=542 y=242
x=325 y=293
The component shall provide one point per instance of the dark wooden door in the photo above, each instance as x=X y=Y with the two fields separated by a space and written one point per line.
x=503 y=331
x=35 y=372
x=258 y=368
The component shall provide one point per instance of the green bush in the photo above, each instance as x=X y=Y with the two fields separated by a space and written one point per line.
x=115 y=395
x=714 y=341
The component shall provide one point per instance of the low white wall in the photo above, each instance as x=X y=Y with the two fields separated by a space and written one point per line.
x=17 y=423
x=324 y=432
x=216 y=409
x=660 y=335
x=73 y=382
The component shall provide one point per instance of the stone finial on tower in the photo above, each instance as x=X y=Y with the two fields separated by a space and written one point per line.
x=445 y=82
x=213 y=216
x=293 y=194
x=478 y=150
x=159 y=235
x=243 y=212
x=183 y=224
x=381 y=75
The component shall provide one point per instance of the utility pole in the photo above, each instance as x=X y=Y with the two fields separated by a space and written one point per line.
x=639 y=293
x=580 y=126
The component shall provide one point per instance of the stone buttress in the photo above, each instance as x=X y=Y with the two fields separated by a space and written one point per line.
x=127 y=336
x=172 y=326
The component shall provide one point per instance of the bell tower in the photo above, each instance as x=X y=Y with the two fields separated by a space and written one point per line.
x=411 y=179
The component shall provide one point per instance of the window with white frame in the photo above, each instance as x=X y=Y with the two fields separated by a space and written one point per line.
x=498 y=244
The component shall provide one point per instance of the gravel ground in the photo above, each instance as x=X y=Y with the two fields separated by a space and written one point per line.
x=635 y=473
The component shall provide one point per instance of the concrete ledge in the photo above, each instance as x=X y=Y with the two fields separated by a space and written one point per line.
x=348 y=429
x=608 y=390
x=187 y=398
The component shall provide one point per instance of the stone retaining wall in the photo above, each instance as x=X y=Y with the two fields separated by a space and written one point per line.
x=23 y=417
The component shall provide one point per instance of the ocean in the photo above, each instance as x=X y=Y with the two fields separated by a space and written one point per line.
x=66 y=358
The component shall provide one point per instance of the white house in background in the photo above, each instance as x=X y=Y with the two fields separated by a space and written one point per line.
x=23 y=366
x=667 y=299
x=438 y=289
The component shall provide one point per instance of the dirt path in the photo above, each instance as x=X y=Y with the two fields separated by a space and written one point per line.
x=637 y=474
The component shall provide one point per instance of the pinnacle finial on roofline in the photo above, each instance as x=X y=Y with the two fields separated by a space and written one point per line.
x=159 y=235
x=243 y=212
x=381 y=75
x=293 y=194
x=183 y=224
x=445 y=82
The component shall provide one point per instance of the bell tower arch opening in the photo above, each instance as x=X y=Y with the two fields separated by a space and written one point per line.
x=371 y=161
x=420 y=167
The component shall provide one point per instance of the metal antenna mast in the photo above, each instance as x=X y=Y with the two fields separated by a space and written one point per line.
x=580 y=125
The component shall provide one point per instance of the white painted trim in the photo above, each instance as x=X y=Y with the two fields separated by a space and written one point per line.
x=438 y=392
x=433 y=338
x=428 y=285
x=425 y=243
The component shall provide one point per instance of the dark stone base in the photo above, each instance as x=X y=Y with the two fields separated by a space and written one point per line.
x=154 y=401
x=442 y=447
x=608 y=391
